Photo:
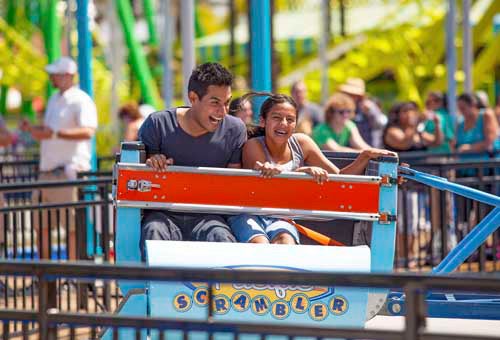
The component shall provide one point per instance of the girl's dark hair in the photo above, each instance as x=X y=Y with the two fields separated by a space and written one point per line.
x=236 y=105
x=265 y=108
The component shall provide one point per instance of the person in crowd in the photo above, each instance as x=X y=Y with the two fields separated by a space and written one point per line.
x=132 y=119
x=310 y=113
x=70 y=122
x=200 y=135
x=242 y=110
x=339 y=133
x=478 y=129
x=276 y=148
x=405 y=133
x=435 y=106
x=6 y=137
x=369 y=118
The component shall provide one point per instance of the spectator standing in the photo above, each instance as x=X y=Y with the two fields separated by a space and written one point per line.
x=478 y=128
x=405 y=133
x=70 y=122
x=435 y=106
x=242 y=109
x=369 y=119
x=310 y=114
x=132 y=119
x=339 y=133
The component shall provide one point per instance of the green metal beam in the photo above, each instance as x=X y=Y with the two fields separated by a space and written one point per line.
x=149 y=13
x=10 y=18
x=138 y=60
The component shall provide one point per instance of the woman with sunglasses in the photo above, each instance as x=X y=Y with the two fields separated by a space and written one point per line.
x=339 y=133
x=274 y=147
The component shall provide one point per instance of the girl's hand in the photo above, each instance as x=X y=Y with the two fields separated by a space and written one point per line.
x=320 y=175
x=267 y=170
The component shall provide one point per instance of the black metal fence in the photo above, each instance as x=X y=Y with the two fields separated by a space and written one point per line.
x=51 y=323
x=432 y=222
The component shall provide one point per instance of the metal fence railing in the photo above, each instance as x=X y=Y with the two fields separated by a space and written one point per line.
x=51 y=323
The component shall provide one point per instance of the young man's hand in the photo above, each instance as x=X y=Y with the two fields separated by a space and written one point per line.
x=159 y=162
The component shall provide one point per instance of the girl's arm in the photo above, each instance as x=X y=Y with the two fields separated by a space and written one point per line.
x=332 y=145
x=356 y=141
x=313 y=155
x=254 y=158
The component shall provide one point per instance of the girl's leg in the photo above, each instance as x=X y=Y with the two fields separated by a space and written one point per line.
x=248 y=229
x=259 y=239
x=280 y=232
x=283 y=238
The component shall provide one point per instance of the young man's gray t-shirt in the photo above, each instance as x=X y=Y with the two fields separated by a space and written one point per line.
x=162 y=134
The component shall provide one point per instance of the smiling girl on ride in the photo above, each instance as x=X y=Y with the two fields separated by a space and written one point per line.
x=272 y=148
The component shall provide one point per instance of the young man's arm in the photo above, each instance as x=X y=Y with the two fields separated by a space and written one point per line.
x=149 y=134
x=240 y=140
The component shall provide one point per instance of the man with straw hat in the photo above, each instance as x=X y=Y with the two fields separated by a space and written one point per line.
x=369 y=119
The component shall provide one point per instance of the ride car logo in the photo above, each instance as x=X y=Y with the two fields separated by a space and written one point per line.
x=279 y=301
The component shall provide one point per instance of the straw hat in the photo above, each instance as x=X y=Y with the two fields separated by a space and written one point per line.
x=354 y=86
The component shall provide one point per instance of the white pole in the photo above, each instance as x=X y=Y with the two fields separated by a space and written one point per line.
x=187 y=36
x=323 y=45
x=467 y=43
x=167 y=53
x=451 y=57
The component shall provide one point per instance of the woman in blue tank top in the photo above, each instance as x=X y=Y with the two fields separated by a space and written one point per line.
x=478 y=129
x=277 y=148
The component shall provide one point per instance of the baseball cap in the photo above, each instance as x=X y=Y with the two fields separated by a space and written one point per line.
x=63 y=65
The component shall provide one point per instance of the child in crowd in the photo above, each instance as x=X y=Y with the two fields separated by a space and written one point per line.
x=275 y=148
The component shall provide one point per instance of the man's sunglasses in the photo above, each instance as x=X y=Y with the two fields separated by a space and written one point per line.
x=343 y=112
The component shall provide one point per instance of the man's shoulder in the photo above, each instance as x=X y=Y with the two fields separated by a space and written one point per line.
x=163 y=114
x=234 y=124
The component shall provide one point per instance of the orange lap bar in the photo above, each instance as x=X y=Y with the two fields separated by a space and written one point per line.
x=250 y=191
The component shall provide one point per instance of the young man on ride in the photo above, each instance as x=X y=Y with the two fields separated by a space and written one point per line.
x=277 y=148
x=200 y=135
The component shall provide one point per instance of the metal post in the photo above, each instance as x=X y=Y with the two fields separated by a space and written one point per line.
x=138 y=60
x=496 y=31
x=167 y=52
x=10 y=18
x=467 y=43
x=451 y=57
x=260 y=56
x=187 y=36
x=232 y=37
x=52 y=35
x=342 y=17
x=85 y=60
x=323 y=45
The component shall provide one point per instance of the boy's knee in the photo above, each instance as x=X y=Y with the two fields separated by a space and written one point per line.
x=220 y=234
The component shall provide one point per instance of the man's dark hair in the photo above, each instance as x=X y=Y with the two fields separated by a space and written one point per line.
x=208 y=74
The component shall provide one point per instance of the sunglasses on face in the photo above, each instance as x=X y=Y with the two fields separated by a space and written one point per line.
x=343 y=112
